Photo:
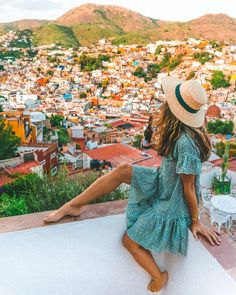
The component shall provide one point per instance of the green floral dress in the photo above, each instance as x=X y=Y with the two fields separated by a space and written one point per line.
x=157 y=214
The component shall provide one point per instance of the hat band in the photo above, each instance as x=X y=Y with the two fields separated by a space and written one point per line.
x=182 y=102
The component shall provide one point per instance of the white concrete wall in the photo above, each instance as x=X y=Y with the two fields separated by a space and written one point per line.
x=87 y=258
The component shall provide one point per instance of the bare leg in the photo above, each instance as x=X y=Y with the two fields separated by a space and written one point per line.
x=103 y=185
x=145 y=259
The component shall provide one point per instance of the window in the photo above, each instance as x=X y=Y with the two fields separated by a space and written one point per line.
x=54 y=171
x=53 y=155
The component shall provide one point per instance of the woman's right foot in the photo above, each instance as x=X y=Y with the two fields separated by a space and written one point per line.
x=61 y=212
x=156 y=284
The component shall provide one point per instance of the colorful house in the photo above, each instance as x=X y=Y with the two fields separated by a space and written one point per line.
x=21 y=125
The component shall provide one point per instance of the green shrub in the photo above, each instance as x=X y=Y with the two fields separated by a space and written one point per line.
x=20 y=186
x=35 y=194
x=218 y=80
x=51 y=193
x=11 y=206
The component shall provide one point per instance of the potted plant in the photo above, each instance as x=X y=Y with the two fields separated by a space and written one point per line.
x=222 y=183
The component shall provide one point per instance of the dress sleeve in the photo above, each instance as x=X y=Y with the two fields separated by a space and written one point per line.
x=187 y=156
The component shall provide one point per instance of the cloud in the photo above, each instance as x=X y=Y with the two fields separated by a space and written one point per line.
x=31 y=5
x=12 y=10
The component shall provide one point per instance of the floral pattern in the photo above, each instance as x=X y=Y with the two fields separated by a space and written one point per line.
x=157 y=214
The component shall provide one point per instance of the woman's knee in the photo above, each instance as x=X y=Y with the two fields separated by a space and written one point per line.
x=129 y=244
x=124 y=172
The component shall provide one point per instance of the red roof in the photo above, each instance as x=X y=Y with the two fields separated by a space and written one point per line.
x=81 y=142
x=122 y=122
x=155 y=161
x=4 y=179
x=232 y=163
x=24 y=168
x=119 y=153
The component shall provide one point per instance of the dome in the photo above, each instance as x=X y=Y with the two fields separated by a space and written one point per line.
x=213 y=111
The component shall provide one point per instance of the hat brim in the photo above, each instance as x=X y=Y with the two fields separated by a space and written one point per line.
x=193 y=120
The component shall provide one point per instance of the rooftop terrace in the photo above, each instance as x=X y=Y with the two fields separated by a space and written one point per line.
x=84 y=255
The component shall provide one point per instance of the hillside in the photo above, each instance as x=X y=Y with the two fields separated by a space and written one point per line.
x=88 y=23
x=53 y=33
x=23 y=24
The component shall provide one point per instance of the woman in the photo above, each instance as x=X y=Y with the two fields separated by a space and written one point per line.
x=163 y=202
x=146 y=141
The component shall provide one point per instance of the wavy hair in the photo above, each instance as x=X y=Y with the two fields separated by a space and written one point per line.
x=168 y=129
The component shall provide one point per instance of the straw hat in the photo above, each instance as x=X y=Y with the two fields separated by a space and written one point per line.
x=186 y=100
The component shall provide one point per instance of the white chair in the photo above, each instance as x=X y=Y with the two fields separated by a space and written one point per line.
x=206 y=198
x=233 y=192
x=220 y=218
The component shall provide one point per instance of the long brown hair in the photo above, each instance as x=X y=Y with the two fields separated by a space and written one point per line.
x=168 y=129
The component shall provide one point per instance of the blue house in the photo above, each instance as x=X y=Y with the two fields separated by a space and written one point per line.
x=67 y=96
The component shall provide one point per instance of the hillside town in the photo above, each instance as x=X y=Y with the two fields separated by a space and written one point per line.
x=103 y=94
x=75 y=112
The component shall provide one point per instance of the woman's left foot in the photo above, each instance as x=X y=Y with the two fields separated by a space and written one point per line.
x=61 y=212
x=156 y=284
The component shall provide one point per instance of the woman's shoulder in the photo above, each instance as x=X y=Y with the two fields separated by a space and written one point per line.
x=186 y=143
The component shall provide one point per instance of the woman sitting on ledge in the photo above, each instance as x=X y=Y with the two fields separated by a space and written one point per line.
x=163 y=202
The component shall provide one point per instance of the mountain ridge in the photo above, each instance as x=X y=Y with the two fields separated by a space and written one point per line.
x=91 y=22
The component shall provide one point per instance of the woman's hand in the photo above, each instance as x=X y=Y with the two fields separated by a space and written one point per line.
x=198 y=228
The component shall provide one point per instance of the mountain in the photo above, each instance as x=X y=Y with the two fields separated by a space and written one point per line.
x=108 y=16
x=23 y=24
x=88 y=23
x=220 y=27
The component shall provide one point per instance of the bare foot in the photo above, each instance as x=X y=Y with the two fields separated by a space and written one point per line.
x=156 y=284
x=61 y=212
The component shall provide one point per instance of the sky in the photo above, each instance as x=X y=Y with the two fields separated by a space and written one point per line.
x=181 y=10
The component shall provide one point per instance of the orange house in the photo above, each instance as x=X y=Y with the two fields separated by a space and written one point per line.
x=21 y=126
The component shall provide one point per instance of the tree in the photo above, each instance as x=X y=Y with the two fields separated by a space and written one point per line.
x=105 y=83
x=158 y=50
x=190 y=75
x=50 y=72
x=1 y=108
x=83 y=95
x=56 y=121
x=220 y=127
x=8 y=141
x=218 y=80
x=202 y=57
x=63 y=137
x=88 y=63
x=137 y=140
x=139 y=72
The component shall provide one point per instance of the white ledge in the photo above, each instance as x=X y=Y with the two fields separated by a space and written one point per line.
x=87 y=258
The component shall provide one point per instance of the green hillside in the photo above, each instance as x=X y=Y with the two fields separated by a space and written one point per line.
x=91 y=33
x=53 y=33
x=131 y=38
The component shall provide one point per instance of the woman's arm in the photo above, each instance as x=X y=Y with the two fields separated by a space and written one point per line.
x=191 y=199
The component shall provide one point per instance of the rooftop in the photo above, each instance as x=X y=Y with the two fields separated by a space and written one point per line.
x=119 y=153
x=24 y=168
x=86 y=257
